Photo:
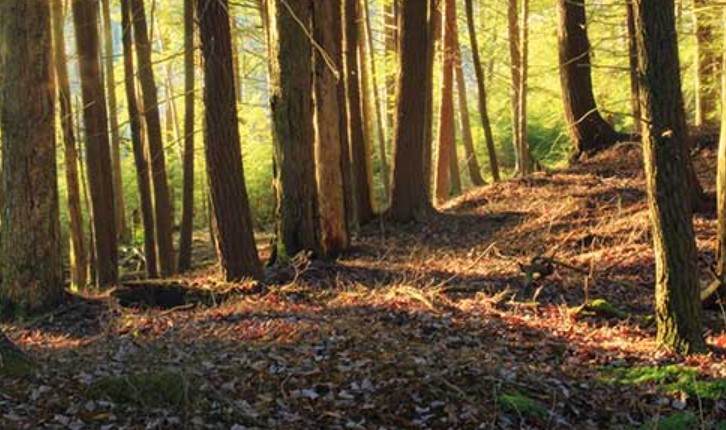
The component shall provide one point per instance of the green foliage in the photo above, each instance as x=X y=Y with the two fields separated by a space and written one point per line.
x=669 y=379
x=603 y=308
x=521 y=404
x=678 y=421
x=148 y=390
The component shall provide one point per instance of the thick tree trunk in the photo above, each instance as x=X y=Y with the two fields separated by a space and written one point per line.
x=472 y=161
x=328 y=32
x=162 y=201
x=142 y=167
x=408 y=198
x=678 y=306
x=98 y=152
x=359 y=143
x=433 y=38
x=235 y=239
x=187 y=221
x=292 y=110
x=79 y=264
x=447 y=132
x=118 y=190
x=708 y=57
x=30 y=257
x=589 y=132
x=481 y=84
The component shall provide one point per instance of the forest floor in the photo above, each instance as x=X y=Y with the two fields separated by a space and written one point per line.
x=421 y=326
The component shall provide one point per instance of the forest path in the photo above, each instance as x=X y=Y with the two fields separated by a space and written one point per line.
x=422 y=326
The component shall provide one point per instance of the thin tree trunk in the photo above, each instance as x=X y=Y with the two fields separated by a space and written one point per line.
x=79 y=264
x=447 y=134
x=98 y=152
x=390 y=22
x=142 y=167
x=30 y=257
x=409 y=198
x=235 y=237
x=433 y=35
x=187 y=221
x=118 y=190
x=633 y=57
x=515 y=68
x=162 y=202
x=525 y=157
x=481 y=84
x=345 y=136
x=678 y=306
x=328 y=33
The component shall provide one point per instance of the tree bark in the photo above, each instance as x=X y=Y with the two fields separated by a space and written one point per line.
x=162 y=201
x=328 y=32
x=235 y=239
x=678 y=306
x=721 y=188
x=187 y=221
x=433 y=38
x=481 y=86
x=135 y=121
x=79 y=263
x=589 y=132
x=30 y=257
x=526 y=161
x=98 y=153
x=408 y=197
x=359 y=143
x=118 y=190
x=447 y=132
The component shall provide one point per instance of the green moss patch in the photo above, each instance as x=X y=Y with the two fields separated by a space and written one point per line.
x=521 y=404
x=669 y=379
x=164 y=389
x=601 y=308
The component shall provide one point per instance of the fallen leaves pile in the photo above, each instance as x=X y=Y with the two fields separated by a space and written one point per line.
x=429 y=326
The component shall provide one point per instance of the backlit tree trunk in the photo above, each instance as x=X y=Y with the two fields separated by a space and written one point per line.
x=408 y=198
x=678 y=306
x=235 y=239
x=187 y=221
x=525 y=157
x=708 y=57
x=472 y=161
x=79 y=263
x=328 y=32
x=137 y=141
x=98 y=152
x=633 y=57
x=30 y=257
x=433 y=38
x=589 y=132
x=447 y=132
x=162 y=202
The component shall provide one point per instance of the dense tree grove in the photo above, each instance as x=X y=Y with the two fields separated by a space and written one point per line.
x=284 y=134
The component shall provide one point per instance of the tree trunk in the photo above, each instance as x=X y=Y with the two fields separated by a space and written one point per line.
x=408 y=198
x=525 y=157
x=708 y=57
x=356 y=113
x=589 y=132
x=390 y=22
x=142 y=167
x=344 y=132
x=79 y=263
x=678 y=306
x=472 y=161
x=368 y=53
x=98 y=153
x=30 y=257
x=721 y=188
x=481 y=84
x=118 y=190
x=633 y=57
x=292 y=110
x=447 y=133
x=433 y=37
x=162 y=203
x=235 y=239
x=328 y=32
x=454 y=174
x=187 y=221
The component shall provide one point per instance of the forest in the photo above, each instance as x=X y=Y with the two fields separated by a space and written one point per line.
x=362 y=214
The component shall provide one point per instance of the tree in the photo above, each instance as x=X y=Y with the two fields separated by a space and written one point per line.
x=187 y=221
x=481 y=86
x=408 y=194
x=98 y=153
x=721 y=191
x=359 y=140
x=142 y=167
x=30 y=257
x=678 y=307
x=328 y=32
x=589 y=132
x=79 y=263
x=118 y=190
x=472 y=161
x=162 y=202
x=291 y=88
x=517 y=68
x=707 y=62
x=633 y=61
x=234 y=233
x=433 y=36
x=447 y=132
